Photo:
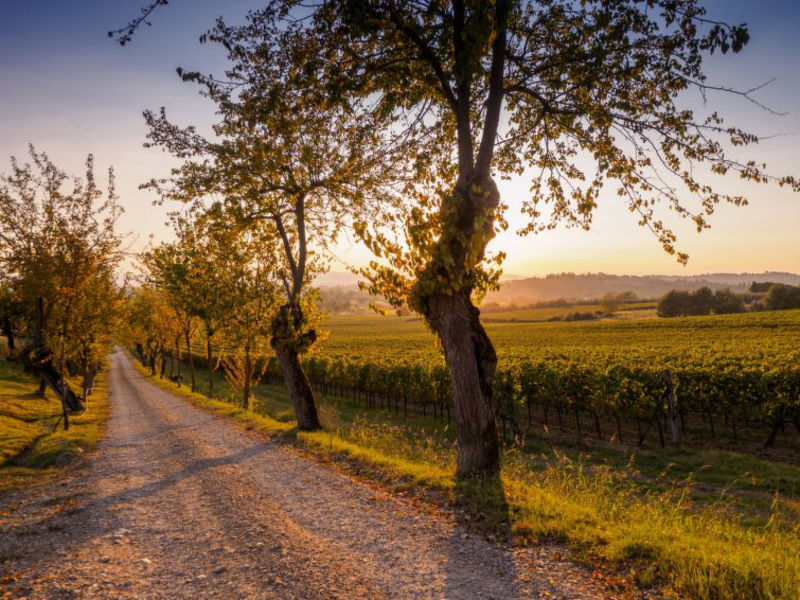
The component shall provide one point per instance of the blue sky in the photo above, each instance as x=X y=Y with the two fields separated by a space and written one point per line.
x=67 y=88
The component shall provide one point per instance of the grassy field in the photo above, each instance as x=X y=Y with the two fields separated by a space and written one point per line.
x=696 y=523
x=522 y=315
x=756 y=337
x=759 y=339
x=29 y=448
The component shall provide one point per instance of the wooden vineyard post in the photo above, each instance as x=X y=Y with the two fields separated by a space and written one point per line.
x=578 y=424
x=673 y=411
x=619 y=427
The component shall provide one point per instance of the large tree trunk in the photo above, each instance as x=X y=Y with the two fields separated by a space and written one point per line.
x=471 y=360
x=300 y=390
x=443 y=295
x=190 y=357
x=288 y=338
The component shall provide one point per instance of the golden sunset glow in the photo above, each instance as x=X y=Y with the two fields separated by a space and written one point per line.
x=400 y=299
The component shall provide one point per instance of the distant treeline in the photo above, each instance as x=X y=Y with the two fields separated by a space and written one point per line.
x=704 y=301
x=610 y=302
x=595 y=285
x=781 y=297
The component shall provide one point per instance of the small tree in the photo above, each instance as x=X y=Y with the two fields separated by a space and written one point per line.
x=726 y=302
x=277 y=162
x=610 y=303
x=96 y=320
x=150 y=324
x=782 y=297
x=208 y=277
x=254 y=298
x=170 y=270
x=702 y=301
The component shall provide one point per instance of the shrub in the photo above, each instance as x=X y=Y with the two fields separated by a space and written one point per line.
x=782 y=297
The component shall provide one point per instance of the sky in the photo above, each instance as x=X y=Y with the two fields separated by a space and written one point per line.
x=69 y=90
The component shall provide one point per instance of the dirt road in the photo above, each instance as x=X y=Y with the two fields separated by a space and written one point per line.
x=177 y=503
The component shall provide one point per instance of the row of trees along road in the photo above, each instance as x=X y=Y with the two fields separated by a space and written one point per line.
x=217 y=279
x=420 y=106
x=58 y=253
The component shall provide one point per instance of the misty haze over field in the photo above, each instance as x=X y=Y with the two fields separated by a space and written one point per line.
x=341 y=293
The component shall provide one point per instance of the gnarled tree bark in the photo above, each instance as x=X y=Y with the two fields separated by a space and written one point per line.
x=287 y=339
x=469 y=353
x=300 y=390
x=471 y=360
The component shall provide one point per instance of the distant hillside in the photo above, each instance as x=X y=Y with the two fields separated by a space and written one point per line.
x=594 y=285
x=340 y=292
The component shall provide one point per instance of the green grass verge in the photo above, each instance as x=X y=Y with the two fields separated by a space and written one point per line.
x=699 y=524
x=29 y=447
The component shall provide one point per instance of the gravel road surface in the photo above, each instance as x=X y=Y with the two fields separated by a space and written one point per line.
x=177 y=503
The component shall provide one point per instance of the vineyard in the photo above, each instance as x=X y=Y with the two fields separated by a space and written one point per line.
x=731 y=378
x=736 y=376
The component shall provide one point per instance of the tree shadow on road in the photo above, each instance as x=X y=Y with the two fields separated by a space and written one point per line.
x=484 y=528
x=95 y=519
x=193 y=468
